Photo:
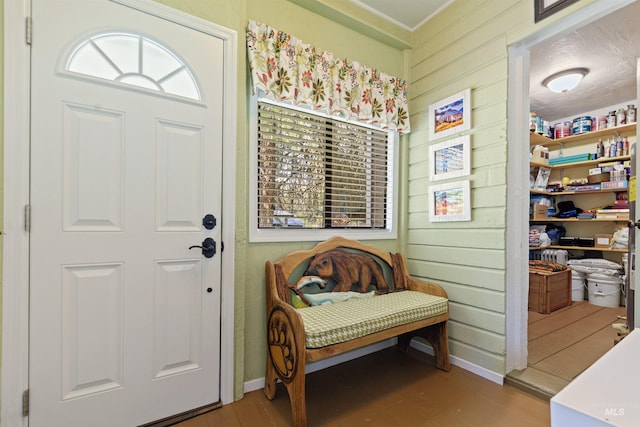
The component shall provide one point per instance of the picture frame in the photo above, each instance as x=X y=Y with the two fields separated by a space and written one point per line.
x=450 y=115
x=450 y=201
x=450 y=159
x=546 y=8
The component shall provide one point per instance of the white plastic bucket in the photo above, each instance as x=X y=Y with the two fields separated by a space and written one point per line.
x=604 y=290
x=577 y=285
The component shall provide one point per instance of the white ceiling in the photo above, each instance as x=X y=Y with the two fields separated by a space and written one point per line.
x=608 y=47
x=408 y=14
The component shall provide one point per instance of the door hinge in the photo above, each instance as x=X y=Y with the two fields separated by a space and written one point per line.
x=28 y=29
x=25 y=403
x=27 y=218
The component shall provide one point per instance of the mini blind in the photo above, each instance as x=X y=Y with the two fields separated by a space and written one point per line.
x=319 y=172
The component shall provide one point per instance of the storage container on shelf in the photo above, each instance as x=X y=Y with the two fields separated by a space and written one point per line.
x=581 y=125
x=562 y=129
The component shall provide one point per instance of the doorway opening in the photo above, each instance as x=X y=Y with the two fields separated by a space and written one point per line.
x=522 y=336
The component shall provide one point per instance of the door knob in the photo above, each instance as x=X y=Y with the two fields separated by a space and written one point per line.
x=208 y=247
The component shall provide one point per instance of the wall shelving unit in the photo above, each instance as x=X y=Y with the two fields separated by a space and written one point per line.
x=581 y=142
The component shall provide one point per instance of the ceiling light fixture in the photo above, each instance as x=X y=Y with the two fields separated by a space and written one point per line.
x=565 y=80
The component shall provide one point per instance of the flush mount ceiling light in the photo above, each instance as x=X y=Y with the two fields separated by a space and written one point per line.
x=565 y=80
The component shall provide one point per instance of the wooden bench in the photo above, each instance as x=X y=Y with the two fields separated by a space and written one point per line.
x=402 y=306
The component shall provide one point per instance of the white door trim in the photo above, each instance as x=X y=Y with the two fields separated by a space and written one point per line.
x=518 y=148
x=15 y=268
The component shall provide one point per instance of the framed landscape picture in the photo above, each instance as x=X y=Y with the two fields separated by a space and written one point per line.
x=450 y=202
x=546 y=8
x=450 y=159
x=450 y=115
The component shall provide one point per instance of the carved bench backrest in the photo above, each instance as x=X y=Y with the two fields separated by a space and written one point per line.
x=295 y=263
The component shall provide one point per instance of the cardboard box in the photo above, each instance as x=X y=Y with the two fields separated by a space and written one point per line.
x=549 y=291
x=595 y=171
x=540 y=155
x=539 y=211
x=602 y=240
x=615 y=184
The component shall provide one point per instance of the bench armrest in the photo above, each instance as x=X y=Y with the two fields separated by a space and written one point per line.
x=426 y=287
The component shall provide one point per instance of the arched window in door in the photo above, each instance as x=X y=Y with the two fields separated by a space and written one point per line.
x=133 y=60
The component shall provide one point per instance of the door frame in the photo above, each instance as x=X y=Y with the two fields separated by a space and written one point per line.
x=517 y=154
x=15 y=268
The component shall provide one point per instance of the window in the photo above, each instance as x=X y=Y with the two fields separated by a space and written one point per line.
x=316 y=172
x=133 y=60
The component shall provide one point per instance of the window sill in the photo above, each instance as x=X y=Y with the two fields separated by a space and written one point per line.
x=300 y=235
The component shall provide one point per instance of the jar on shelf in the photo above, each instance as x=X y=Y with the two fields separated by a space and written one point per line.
x=600 y=149
x=631 y=114
x=621 y=116
x=598 y=122
x=533 y=121
x=611 y=119
x=539 y=125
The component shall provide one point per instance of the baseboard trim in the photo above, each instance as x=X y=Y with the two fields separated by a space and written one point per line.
x=495 y=377
x=464 y=364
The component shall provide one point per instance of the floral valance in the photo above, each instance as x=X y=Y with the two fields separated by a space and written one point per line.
x=286 y=69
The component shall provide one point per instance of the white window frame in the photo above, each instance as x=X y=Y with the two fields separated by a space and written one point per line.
x=306 y=235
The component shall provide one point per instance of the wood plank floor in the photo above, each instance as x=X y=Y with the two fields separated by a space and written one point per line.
x=389 y=388
x=565 y=343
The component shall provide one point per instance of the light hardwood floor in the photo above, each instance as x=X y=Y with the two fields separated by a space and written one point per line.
x=389 y=388
x=564 y=343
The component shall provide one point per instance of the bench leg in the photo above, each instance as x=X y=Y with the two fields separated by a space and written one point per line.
x=270 y=379
x=438 y=337
x=295 y=389
x=297 y=397
x=404 y=341
x=286 y=360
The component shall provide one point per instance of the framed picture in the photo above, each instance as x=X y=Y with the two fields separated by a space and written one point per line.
x=450 y=159
x=450 y=202
x=450 y=116
x=546 y=8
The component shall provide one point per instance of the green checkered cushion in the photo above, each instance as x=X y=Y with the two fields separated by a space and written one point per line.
x=333 y=323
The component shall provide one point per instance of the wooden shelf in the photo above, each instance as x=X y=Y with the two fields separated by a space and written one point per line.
x=536 y=139
x=580 y=164
x=580 y=220
x=577 y=248
x=573 y=193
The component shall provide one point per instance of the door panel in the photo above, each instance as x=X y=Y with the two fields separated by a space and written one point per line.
x=91 y=329
x=180 y=148
x=178 y=317
x=93 y=146
x=124 y=317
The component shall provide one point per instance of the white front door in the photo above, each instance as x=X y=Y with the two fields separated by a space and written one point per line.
x=125 y=164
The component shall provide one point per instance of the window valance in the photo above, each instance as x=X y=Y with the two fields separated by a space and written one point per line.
x=286 y=69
